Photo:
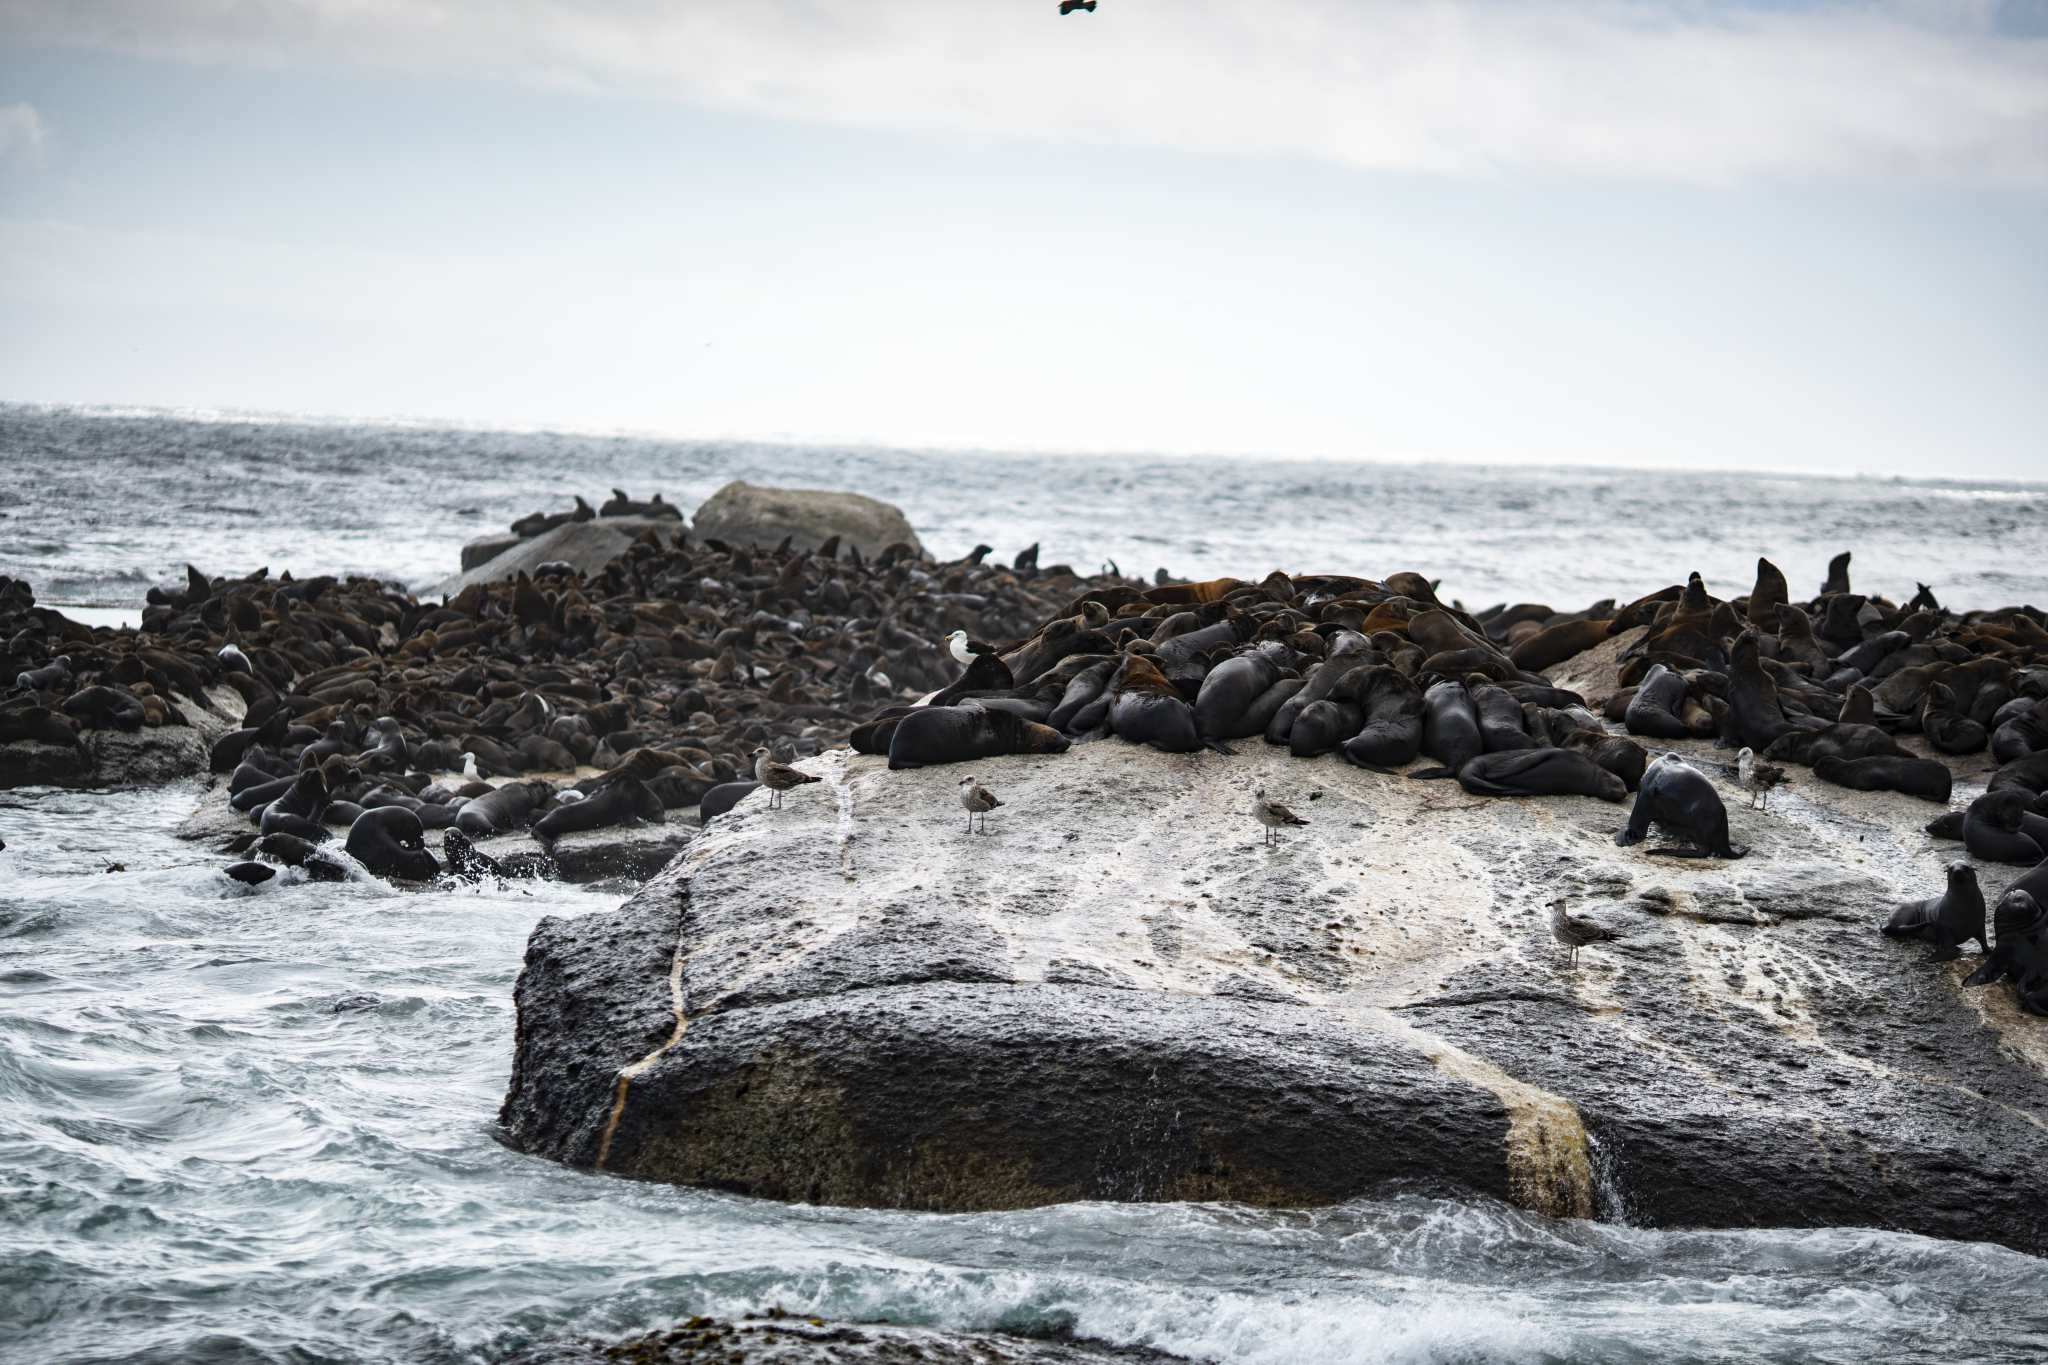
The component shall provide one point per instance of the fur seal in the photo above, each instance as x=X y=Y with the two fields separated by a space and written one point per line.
x=2020 y=923
x=1841 y=740
x=1658 y=706
x=1947 y=728
x=1450 y=726
x=389 y=842
x=1083 y=688
x=1947 y=920
x=464 y=861
x=1322 y=725
x=1754 y=719
x=1394 y=707
x=251 y=874
x=1540 y=772
x=1149 y=709
x=1770 y=593
x=955 y=734
x=1678 y=795
x=1500 y=719
x=1927 y=778
x=503 y=809
x=1999 y=828
x=723 y=798
x=104 y=708
x=1554 y=645
x=300 y=810
x=1229 y=692
x=623 y=802
x=1618 y=754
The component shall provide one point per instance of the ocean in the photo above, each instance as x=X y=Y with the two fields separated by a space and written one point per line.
x=239 y=1128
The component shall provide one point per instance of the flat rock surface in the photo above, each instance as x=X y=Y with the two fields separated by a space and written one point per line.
x=147 y=757
x=589 y=545
x=1120 y=993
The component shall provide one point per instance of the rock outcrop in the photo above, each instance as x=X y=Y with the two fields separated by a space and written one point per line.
x=1119 y=994
x=744 y=515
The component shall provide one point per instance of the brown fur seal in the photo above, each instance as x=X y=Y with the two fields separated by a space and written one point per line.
x=1677 y=795
x=1948 y=920
x=955 y=734
x=1540 y=772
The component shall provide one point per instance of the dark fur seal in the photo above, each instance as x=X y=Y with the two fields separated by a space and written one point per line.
x=1083 y=688
x=1927 y=778
x=723 y=798
x=1618 y=754
x=260 y=793
x=1228 y=694
x=1677 y=795
x=1450 y=726
x=1500 y=719
x=1658 y=706
x=389 y=842
x=1149 y=709
x=300 y=810
x=1540 y=772
x=1947 y=920
x=1393 y=720
x=1947 y=728
x=2021 y=926
x=957 y=734
x=104 y=708
x=1754 y=719
x=251 y=874
x=622 y=802
x=1841 y=740
x=1322 y=726
x=1999 y=828
x=504 y=809
x=464 y=861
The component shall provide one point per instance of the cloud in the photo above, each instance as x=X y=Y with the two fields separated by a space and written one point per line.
x=1901 y=90
x=23 y=134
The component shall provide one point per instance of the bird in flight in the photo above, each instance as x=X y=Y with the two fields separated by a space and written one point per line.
x=1069 y=6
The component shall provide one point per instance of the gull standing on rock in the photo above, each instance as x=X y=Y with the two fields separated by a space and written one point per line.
x=1759 y=778
x=777 y=777
x=978 y=800
x=1574 y=933
x=1272 y=815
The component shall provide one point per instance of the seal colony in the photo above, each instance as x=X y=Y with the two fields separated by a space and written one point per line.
x=672 y=669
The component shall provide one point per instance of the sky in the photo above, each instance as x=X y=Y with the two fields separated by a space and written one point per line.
x=1622 y=232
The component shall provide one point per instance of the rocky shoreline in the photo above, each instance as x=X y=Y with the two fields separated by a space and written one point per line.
x=1120 y=992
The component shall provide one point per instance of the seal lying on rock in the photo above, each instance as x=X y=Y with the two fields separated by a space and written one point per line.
x=621 y=802
x=389 y=842
x=1149 y=709
x=955 y=734
x=1676 y=794
x=1947 y=920
x=1999 y=828
x=504 y=809
x=1927 y=778
x=1540 y=772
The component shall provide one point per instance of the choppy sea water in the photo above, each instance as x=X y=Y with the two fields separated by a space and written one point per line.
x=203 y=1160
x=98 y=505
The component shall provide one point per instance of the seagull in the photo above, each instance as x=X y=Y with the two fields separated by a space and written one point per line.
x=1758 y=777
x=777 y=777
x=469 y=767
x=1272 y=815
x=964 y=649
x=978 y=800
x=1574 y=934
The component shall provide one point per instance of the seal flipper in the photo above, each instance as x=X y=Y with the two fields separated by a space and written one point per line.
x=1219 y=746
x=1680 y=853
x=1429 y=774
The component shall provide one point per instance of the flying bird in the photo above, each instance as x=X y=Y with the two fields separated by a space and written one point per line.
x=1069 y=6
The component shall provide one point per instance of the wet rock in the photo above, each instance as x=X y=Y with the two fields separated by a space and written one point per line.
x=1120 y=995
x=779 y=1338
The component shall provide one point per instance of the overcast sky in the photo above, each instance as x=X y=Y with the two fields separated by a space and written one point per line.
x=1772 y=235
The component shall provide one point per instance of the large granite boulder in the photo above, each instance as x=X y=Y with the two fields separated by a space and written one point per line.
x=741 y=514
x=1119 y=993
x=588 y=545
